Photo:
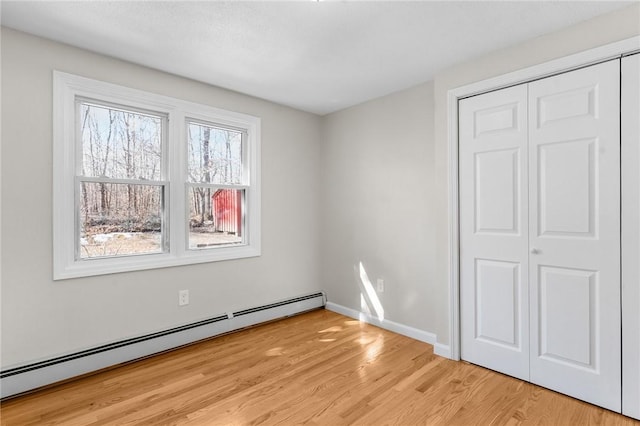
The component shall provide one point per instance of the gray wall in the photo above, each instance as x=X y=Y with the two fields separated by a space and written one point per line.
x=385 y=172
x=367 y=184
x=42 y=318
x=377 y=186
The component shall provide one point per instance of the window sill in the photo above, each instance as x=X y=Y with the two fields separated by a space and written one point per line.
x=104 y=266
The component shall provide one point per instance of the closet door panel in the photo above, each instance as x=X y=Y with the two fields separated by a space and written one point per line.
x=574 y=233
x=631 y=236
x=493 y=231
x=566 y=168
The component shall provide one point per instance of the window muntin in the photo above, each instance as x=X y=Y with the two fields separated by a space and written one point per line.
x=216 y=183
x=120 y=196
x=142 y=194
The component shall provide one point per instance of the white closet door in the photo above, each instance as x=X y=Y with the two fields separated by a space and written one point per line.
x=493 y=230
x=574 y=234
x=631 y=236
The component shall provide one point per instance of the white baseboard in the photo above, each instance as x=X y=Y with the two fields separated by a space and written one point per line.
x=18 y=379
x=442 y=350
x=405 y=330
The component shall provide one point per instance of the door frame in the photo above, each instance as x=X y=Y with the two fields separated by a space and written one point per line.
x=630 y=108
x=557 y=66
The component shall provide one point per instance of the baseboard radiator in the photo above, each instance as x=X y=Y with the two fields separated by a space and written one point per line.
x=24 y=378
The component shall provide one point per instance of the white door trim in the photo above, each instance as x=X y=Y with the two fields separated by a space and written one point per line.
x=556 y=66
x=630 y=237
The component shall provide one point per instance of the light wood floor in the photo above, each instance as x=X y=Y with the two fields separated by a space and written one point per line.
x=318 y=368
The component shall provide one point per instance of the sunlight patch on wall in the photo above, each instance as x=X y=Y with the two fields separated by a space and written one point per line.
x=369 y=296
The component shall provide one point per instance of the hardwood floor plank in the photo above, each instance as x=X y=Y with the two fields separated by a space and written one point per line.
x=319 y=368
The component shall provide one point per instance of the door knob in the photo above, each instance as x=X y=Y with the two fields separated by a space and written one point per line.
x=535 y=251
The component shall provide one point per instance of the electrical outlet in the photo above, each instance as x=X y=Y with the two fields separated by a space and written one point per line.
x=380 y=285
x=183 y=297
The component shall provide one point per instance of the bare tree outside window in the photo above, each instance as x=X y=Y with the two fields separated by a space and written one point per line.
x=215 y=206
x=144 y=181
x=121 y=207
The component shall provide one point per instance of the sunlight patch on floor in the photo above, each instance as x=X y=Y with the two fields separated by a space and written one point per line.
x=333 y=329
x=275 y=352
x=375 y=349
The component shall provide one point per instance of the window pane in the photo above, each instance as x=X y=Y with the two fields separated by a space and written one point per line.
x=216 y=217
x=120 y=219
x=120 y=144
x=214 y=155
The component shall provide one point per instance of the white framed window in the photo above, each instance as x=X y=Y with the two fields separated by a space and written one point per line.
x=145 y=181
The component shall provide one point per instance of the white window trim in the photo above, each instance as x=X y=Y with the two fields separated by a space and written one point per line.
x=68 y=87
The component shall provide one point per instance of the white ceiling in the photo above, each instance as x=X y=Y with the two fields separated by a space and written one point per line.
x=315 y=56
